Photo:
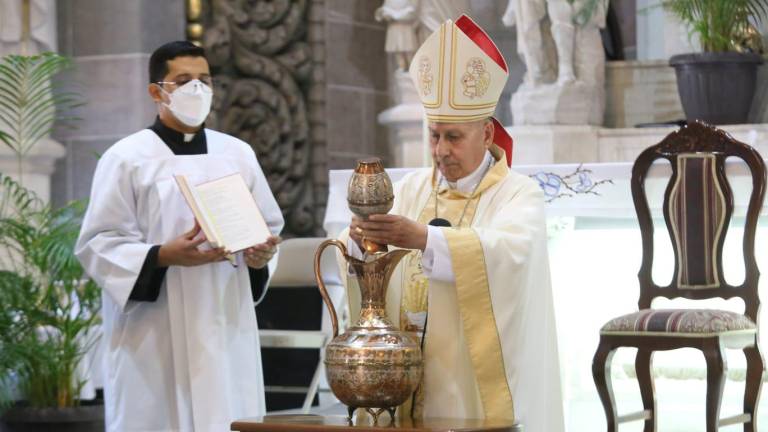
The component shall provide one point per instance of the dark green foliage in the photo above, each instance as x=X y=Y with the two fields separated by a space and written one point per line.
x=719 y=24
x=48 y=308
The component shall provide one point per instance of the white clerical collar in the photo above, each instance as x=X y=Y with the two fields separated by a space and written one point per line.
x=188 y=137
x=468 y=183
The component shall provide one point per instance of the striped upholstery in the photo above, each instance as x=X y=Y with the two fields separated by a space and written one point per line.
x=697 y=217
x=700 y=321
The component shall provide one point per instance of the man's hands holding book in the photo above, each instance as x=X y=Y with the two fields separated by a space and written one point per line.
x=183 y=250
x=258 y=256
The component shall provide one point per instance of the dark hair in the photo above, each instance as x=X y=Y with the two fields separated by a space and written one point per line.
x=158 y=62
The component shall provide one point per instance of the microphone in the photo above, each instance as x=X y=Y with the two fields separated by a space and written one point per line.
x=439 y=222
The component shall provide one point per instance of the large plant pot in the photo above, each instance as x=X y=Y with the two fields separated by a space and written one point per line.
x=76 y=419
x=717 y=88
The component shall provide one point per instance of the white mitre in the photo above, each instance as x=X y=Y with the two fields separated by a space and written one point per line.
x=459 y=74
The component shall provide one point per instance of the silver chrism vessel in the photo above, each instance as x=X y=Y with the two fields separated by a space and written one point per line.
x=373 y=365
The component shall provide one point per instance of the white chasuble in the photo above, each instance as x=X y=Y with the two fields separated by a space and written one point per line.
x=490 y=347
x=189 y=361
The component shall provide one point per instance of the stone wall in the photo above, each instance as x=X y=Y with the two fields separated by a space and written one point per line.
x=110 y=42
x=356 y=73
x=302 y=82
x=262 y=62
x=345 y=90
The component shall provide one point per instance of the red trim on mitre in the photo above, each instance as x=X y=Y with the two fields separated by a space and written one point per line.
x=502 y=139
x=481 y=39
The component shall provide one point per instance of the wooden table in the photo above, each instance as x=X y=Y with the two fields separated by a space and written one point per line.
x=315 y=423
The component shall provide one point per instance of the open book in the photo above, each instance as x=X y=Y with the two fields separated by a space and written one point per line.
x=226 y=212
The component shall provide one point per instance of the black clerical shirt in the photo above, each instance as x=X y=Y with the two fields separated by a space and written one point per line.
x=147 y=286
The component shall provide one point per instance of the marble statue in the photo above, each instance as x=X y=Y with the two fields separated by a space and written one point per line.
x=401 y=17
x=42 y=27
x=565 y=62
x=432 y=13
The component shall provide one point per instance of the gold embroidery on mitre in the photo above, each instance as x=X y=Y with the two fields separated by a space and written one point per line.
x=476 y=79
x=425 y=76
x=457 y=66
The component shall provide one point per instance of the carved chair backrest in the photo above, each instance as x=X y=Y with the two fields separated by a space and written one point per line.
x=698 y=205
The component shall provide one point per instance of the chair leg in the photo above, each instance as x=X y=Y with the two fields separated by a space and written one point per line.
x=601 y=373
x=312 y=390
x=643 y=369
x=754 y=381
x=714 y=354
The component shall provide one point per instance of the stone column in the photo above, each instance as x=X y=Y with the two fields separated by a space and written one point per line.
x=110 y=42
x=406 y=123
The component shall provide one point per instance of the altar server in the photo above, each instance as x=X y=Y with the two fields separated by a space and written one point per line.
x=180 y=332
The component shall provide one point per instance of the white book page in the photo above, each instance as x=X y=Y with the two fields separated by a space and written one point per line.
x=233 y=213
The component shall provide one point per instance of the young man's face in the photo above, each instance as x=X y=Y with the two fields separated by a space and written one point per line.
x=181 y=70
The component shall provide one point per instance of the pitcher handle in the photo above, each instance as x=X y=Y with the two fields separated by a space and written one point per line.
x=321 y=284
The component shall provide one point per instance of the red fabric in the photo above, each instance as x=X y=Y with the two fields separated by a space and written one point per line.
x=502 y=139
x=479 y=37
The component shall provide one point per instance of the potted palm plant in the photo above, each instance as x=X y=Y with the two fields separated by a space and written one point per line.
x=49 y=314
x=49 y=311
x=718 y=84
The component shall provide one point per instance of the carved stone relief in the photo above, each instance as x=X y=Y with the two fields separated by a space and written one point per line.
x=261 y=61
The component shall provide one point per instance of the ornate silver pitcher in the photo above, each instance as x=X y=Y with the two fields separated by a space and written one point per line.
x=373 y=365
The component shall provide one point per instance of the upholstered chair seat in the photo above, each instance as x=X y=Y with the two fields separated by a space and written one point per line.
x=704 y=322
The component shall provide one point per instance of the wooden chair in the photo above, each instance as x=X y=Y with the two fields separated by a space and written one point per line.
x=698 y=204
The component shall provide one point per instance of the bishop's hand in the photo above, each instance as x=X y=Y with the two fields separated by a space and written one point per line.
x=183 y=251
x=388 y=229
x=258 y=256
x=355 y=231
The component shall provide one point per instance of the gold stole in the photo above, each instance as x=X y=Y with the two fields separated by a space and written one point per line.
x=473 y=294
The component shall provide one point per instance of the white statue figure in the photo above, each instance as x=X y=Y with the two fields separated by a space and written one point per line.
x=42 y=27
x=565 y=62
x=401 y=17
x=432 y=13
x=575 y=46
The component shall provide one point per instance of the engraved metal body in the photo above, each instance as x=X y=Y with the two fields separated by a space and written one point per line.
x=370 y=192
x=373 y=365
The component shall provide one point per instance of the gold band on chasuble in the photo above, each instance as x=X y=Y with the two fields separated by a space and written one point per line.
x=413 y=300
x=480 y=331
x=476 y=310
x=472 y=289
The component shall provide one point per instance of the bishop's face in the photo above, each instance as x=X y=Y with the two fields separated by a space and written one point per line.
x=458 y=148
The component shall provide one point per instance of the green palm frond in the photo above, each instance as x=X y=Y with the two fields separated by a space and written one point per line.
x=31 y=101
x=719 y=24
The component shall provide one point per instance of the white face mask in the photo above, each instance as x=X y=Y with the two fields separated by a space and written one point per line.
x=191 y=103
